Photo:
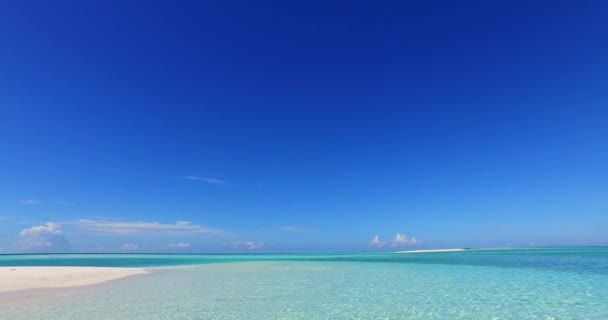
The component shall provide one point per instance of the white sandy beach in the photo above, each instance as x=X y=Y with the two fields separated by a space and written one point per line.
x=21 y=278
x=431 y=250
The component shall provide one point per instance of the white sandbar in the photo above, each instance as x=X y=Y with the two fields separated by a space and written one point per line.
x=431 y=250
x=21 y=278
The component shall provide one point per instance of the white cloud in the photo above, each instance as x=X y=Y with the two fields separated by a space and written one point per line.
x=377 y=243
x=291 y=229
x=30 y=202
x=179 y=245
x=5 y=218
x=204 y=179
x=401 y=240
x=49 y=237
x=249 y=245
x=129 y=247
x=125 y=228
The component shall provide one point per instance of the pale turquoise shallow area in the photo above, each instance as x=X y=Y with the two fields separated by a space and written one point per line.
x=557 y=283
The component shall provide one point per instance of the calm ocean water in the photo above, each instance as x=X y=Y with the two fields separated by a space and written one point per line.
x=556 y=283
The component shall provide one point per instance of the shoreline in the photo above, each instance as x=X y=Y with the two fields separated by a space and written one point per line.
x=15 y=279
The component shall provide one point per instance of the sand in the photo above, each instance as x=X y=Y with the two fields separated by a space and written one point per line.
x=431 y=250
x=22 y=278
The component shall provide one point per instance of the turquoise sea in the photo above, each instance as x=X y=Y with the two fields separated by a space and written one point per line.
x=553 y=283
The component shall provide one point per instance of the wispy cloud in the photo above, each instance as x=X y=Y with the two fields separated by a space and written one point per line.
x=204 y=179
x=48 y=237
x=125 y=228
x=32 y=202
x=249 y=245
x=377 y=243
x=5 y=218
x=179 y=245
x=292 y=229
x=129 y=247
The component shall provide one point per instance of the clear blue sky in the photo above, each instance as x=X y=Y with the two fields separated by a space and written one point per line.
x=274 y=126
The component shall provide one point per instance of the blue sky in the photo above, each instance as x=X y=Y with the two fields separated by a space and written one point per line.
x=281 y=127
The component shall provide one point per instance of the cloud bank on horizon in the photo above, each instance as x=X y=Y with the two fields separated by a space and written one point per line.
x=249 y=245
x=400 y=240
x=45 y=238
x=53 y=237
x=179 y=245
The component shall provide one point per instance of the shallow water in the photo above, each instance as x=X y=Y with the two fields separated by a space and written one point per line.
x=507 y=284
